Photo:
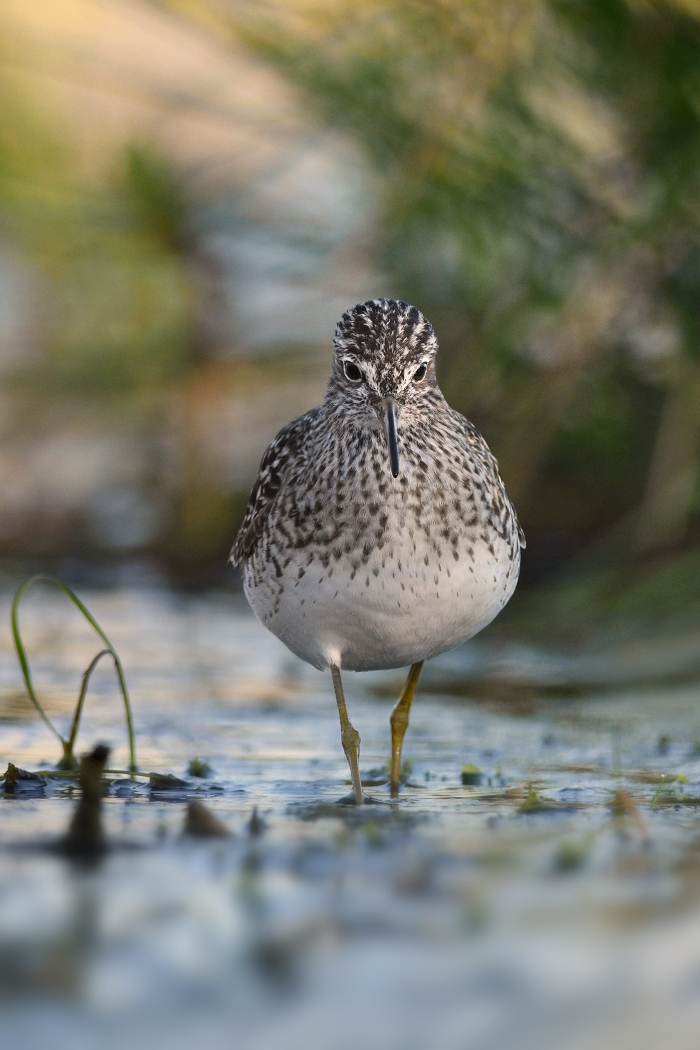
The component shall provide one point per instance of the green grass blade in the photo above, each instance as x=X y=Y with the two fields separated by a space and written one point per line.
x=22 y=657
x=24 y=664
x=83 y=693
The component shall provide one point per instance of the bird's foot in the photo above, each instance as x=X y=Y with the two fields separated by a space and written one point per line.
x=350 y=800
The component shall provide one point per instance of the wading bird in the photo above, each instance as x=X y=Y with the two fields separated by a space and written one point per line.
x=378 y=533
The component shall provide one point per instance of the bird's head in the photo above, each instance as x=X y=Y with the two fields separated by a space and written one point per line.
x=383 y=368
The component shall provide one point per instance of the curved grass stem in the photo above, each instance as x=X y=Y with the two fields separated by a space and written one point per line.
x=68 y=760
x=81 y=698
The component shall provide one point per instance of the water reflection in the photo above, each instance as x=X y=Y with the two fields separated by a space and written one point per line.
x=552 y=899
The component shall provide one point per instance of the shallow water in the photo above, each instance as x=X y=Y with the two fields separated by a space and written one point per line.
x=536 y=908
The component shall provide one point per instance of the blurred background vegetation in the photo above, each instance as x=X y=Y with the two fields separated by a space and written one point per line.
x=192 y=192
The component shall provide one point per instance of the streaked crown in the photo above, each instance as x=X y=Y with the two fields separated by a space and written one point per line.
x=383 y=348
x=387 y=328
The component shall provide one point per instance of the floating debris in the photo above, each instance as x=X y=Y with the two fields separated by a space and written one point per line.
x=534 y=804
x=471 y=775
x=198 y=768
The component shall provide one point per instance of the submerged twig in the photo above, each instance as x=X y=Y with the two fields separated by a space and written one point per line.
x=68 y=760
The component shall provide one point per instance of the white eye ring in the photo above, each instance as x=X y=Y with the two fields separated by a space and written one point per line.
x=352 y=371
x=420 y=373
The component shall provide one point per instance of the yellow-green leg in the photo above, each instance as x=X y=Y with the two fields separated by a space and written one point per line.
x=349 y=737
x=399 y=725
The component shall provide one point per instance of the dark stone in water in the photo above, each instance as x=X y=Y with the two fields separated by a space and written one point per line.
x=22 y=782
x=166 y=782
x=202 y=823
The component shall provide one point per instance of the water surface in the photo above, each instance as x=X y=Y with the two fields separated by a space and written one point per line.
x=555 y=903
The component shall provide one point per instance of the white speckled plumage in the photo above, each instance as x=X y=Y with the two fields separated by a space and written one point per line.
x=350 y=566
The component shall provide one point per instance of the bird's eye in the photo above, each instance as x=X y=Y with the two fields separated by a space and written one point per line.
x=420 y=373
x=352 y=372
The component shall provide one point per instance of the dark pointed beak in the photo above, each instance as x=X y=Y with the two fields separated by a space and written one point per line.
x=390 y=415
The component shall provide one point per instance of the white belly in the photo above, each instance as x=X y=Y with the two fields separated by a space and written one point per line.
x=394 y=611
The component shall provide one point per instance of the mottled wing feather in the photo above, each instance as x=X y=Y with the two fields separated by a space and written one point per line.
x=490 y=464
x=282 y=453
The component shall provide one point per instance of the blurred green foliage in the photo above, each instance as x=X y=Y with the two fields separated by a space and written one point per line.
x=120 y=282
x=114 y=296
x=119 y=268
x=622 y=602
x=159 y=199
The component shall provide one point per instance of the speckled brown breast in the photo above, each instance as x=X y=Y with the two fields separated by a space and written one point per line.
x=354 y=567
